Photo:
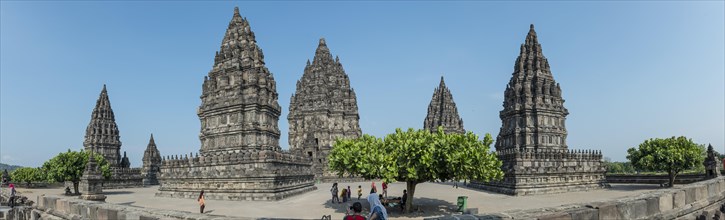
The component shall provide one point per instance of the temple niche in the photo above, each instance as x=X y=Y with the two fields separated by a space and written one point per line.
x=532 y=139
x=442 y=111
x=240 y=154
x=323 y=108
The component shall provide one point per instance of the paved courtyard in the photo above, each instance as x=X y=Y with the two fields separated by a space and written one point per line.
x=433 y=199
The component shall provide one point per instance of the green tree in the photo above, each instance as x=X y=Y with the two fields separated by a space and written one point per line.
x=671 y=155
x=69 y=166
x=27 y=175
x=417 y=156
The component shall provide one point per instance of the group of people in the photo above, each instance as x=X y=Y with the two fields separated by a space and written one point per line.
x=377 y=208
x=345 y=194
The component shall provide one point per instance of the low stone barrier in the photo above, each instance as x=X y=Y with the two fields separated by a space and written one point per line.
x=58 y=207
x=653 y=179
x=701 y=200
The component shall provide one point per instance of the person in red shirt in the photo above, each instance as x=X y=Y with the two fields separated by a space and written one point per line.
x=385 y=189
x=356 y=215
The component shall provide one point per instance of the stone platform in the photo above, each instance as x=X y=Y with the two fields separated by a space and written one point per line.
x=530 y=172
x=263 y=175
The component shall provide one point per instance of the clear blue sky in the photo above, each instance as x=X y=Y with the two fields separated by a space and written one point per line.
x=629 y=71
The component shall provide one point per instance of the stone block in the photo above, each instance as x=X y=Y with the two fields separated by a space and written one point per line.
x=556 y=216
x=653 y=205
x=106 y=214
x=585 y=213
x=606 y=210
x=700 y=193
x=679 y=199
x=75 y=208
x=690 y=195
x=713 y=189
x=632 y=209
x=148 y=218
x=665 y=201
x=49 y=202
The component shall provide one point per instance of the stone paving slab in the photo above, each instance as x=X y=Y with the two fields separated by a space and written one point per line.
x=434 y=199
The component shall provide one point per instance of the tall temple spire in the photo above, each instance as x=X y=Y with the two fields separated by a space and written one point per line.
x=532 y=141
x=102 y=134
x=151 y=163
x=442 y=111
x=534 y=113
x=323 y=107
x=239 y=109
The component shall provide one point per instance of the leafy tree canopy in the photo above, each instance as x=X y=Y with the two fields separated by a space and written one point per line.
x=28 y=175
x=69 y=166
x=417 y=156
x=671 y=155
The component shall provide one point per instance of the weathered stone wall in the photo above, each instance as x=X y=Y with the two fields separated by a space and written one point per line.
x=702 y=200
x=544 y=171
x=263 y=175
x=653 y=179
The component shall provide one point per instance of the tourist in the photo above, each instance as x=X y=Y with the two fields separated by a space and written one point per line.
x=359 y=192
x=402 y=200
x=356 y=215
x=385 y=189
x=343 y=194
x=349 y=193
x=333 y=190
x=377 y=210
x=373 y=186
x=201 y=201
x=11 y=200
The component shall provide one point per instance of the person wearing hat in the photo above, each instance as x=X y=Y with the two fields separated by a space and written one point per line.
x=356 y=215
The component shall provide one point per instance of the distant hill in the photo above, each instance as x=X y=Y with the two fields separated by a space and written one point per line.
x=10 y=168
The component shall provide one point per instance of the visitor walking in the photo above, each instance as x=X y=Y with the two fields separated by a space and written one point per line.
x=11 y=201
x=333 y=190
x=373 y=187
x=201 y=201
x=356 y=215
x=377 y=210
x=385 y=189
x=359 y=192
x=343 y=194
x=349 y=194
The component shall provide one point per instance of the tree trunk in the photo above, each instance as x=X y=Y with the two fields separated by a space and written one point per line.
x=75 y=187
x=410 y=186
x=672 y=176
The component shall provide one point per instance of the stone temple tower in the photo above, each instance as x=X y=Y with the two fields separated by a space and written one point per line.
x=323 y=108
x=102 y=132
x=151 y=163
x=532 y=139
x=240 y=154
x=239 y=109
x=442 y=111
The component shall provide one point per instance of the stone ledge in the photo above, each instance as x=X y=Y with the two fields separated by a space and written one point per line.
x=704 y=199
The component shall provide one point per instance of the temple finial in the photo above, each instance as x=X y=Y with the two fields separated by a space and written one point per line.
x=531 y=26
x=236 y=10
x=322 y=41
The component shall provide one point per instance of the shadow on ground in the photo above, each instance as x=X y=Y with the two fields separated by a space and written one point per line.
x=422 y=207
x=631 y=187
x=117 y=192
